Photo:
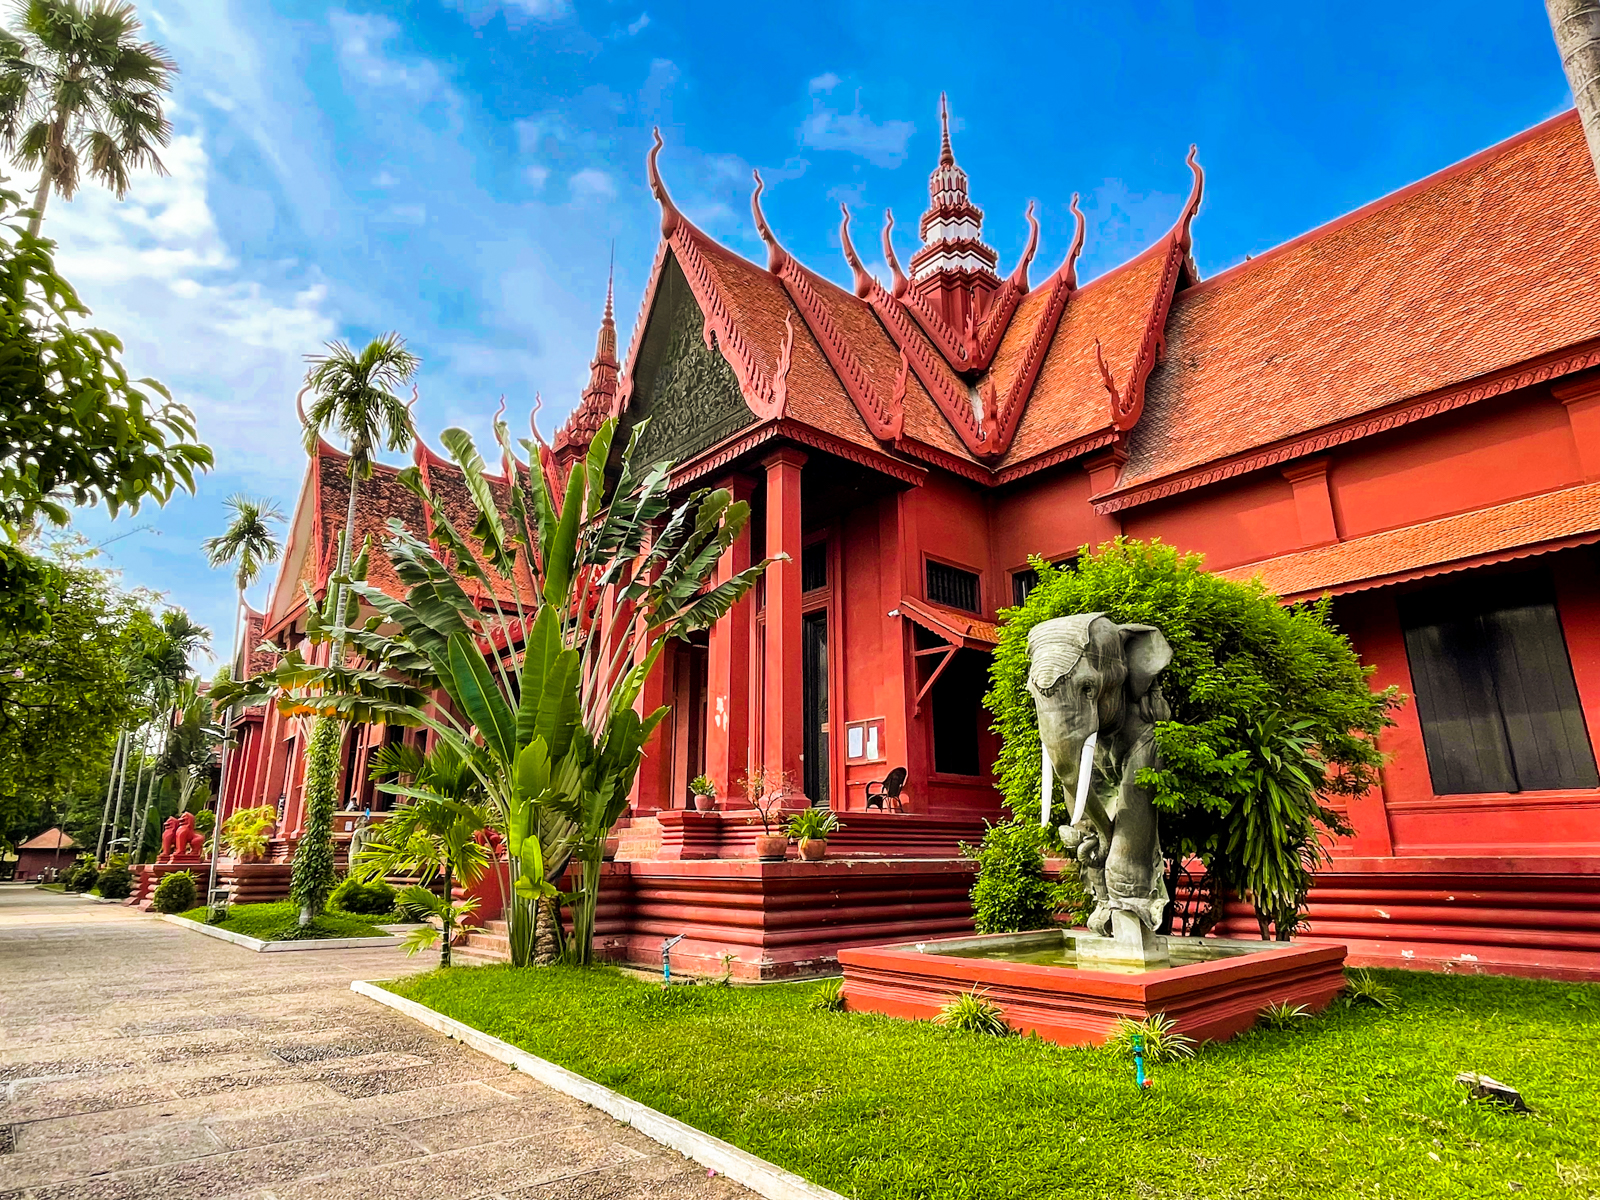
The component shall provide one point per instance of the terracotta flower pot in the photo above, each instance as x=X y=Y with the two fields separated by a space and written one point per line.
x=771 y=847
x=813 y=849
x=608 y=851
x=705 y=803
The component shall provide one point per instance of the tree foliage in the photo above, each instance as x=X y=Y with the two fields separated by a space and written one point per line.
x=592 y=581
x=314 y=877
x=1273 y=719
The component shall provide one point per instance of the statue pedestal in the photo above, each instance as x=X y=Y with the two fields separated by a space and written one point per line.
x=1130 y=942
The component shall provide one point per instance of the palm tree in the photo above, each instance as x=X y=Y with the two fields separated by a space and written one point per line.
x=433 y=832
x=166 y=670
x=353 y=394
x=247 y=544
x=78 y=89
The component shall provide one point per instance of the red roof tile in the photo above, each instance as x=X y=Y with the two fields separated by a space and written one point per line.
x=50 y=839
x=1533 y=525
x=1490 y=263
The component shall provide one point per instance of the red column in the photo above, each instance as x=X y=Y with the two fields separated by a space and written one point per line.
x=785 y=696
x=728 y=661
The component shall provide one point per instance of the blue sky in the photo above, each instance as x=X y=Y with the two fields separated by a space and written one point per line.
x=458 y=169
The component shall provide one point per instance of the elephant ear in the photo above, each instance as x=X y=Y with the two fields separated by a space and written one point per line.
x=1145 y=650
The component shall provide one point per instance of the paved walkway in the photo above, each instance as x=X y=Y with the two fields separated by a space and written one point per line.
x=140 y=1060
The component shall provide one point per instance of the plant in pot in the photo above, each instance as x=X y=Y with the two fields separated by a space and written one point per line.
x=247 y=832
x=810 y=827
x=703 y=793
x=765 y=791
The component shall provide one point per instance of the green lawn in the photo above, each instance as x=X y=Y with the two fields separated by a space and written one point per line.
x=1359 y=1102
x=281 y=922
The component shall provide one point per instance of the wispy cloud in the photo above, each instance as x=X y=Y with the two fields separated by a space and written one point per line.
x=881 y=143
x=591 y=184
x=637 y=24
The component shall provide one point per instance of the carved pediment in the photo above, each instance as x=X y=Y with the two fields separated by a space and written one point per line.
x=686 y=388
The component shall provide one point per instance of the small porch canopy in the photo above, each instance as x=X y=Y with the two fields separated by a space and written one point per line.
x=955 y=629
x=1518 y=529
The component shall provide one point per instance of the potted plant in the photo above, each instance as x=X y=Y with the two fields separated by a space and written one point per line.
x=810 y=827
x=704 y=793
x=765 y=790
x=247 y=832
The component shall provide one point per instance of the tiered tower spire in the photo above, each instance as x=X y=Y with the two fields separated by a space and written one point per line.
x=600 y=396
x=954 y=272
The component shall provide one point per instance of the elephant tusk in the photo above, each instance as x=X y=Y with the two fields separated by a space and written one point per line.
x=1047 y=787
x=1085 y=769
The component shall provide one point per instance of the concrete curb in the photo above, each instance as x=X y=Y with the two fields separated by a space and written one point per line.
x=261 y=947
x=757 y=1174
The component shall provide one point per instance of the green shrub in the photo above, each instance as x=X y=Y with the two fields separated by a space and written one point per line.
x=354 y=896
x=1283 y=1016
x=1155 y=1037
x=313 y=876
x=205 y=821
x=116 y=881
x=973 y=1012
x=175 y=893
x=1362 y=987
x=813 y=824
x=1272 y=716
x=83 y=877
x=245 y=831
x=1011 y=892
x=829 y=997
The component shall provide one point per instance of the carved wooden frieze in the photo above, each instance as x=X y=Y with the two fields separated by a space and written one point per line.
x=693 y=400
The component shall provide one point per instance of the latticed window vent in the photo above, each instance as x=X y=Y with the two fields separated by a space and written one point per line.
x=953 y=587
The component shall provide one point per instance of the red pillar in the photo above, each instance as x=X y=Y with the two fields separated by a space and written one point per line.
x=785 y=695
x=728 y=660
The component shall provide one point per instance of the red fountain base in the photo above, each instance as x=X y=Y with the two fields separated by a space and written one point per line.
x=1209 y=1000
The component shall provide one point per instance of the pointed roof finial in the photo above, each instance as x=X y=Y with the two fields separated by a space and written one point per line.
x=946 y=154
x=611 y=279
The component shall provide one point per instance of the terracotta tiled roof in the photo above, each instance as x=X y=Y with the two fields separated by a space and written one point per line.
x=954 y=626
x=1490 y=263
x=1533 y=525
x=50 y=839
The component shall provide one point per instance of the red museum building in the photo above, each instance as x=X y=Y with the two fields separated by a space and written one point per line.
x=1401 y=408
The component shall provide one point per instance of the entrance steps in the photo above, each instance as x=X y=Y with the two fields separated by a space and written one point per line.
x=489 y=943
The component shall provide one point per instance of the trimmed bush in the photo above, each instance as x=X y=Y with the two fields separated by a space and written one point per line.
x=1011 y=893
x=175 y=893
x=354 y=896
x=116 y=881
x=83 y=877
x=1272 y=724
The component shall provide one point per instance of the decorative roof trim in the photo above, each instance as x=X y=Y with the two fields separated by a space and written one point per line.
x=1059 y=454
x=1001 y=416
x=883 y=419
x=1127 y=402
x=1004 y=305
x=1431 y=404
x=745 y=441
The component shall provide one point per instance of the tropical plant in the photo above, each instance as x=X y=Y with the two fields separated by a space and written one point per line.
x=1156 y=1037
x=1283 y=1016
x=973 y=1012
x=83 y=876
x=812 y=824
x=703 y=785
x=592 y=579
x=191 y=745
x=1362 y=987
x=78 y=89
x=175 y=893
x=1011 y=892
x=353 y=395
x=164 y=671
x=829 y=997
x=244 y=832
x=433 y=833
x=1266 y=699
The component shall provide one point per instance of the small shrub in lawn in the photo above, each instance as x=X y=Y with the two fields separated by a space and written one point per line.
x=973 y=1012
x=116 y=881
x=1156 y=1035
x=175 y=893
x=1283 y=1015
x=1360 y=987
x=829 y=997
x=370 y=899
x=83 y=878
x=1011 y=893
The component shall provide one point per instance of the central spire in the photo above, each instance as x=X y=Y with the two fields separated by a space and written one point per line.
x=954 y=272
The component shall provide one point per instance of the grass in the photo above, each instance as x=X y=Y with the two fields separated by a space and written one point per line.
x=1359 y=1102
x=280 y=922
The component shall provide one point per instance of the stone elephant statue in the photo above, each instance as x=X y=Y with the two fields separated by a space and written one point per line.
x=1094 y=686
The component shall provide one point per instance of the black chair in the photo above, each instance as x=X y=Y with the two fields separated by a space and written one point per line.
x=887 y=789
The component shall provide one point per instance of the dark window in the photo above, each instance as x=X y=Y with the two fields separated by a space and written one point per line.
x=1024 y=581
x=955 y=706
x=1495 y=693
x=953 y=587
x=814 y=566
x=814 y=719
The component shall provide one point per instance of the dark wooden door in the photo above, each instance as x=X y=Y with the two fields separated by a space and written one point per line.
x=814 y=659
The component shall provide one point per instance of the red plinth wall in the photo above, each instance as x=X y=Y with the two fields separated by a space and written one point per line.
x=1209 y=1001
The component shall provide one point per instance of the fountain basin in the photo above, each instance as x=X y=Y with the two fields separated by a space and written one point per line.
x=1213 y=989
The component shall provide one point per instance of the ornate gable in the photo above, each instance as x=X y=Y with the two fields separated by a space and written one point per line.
x=682 y=384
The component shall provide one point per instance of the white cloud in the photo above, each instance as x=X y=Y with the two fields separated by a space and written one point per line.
x=883 y=144
x=637 y=25
x=361 y=38
x=408 y=214
x=536 y=175
x=384 y=180
x=516 y=11
x=156 y=272
x=592 y=184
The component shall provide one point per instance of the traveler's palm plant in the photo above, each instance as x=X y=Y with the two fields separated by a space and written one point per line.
x=589 y=581
x=433 y=833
